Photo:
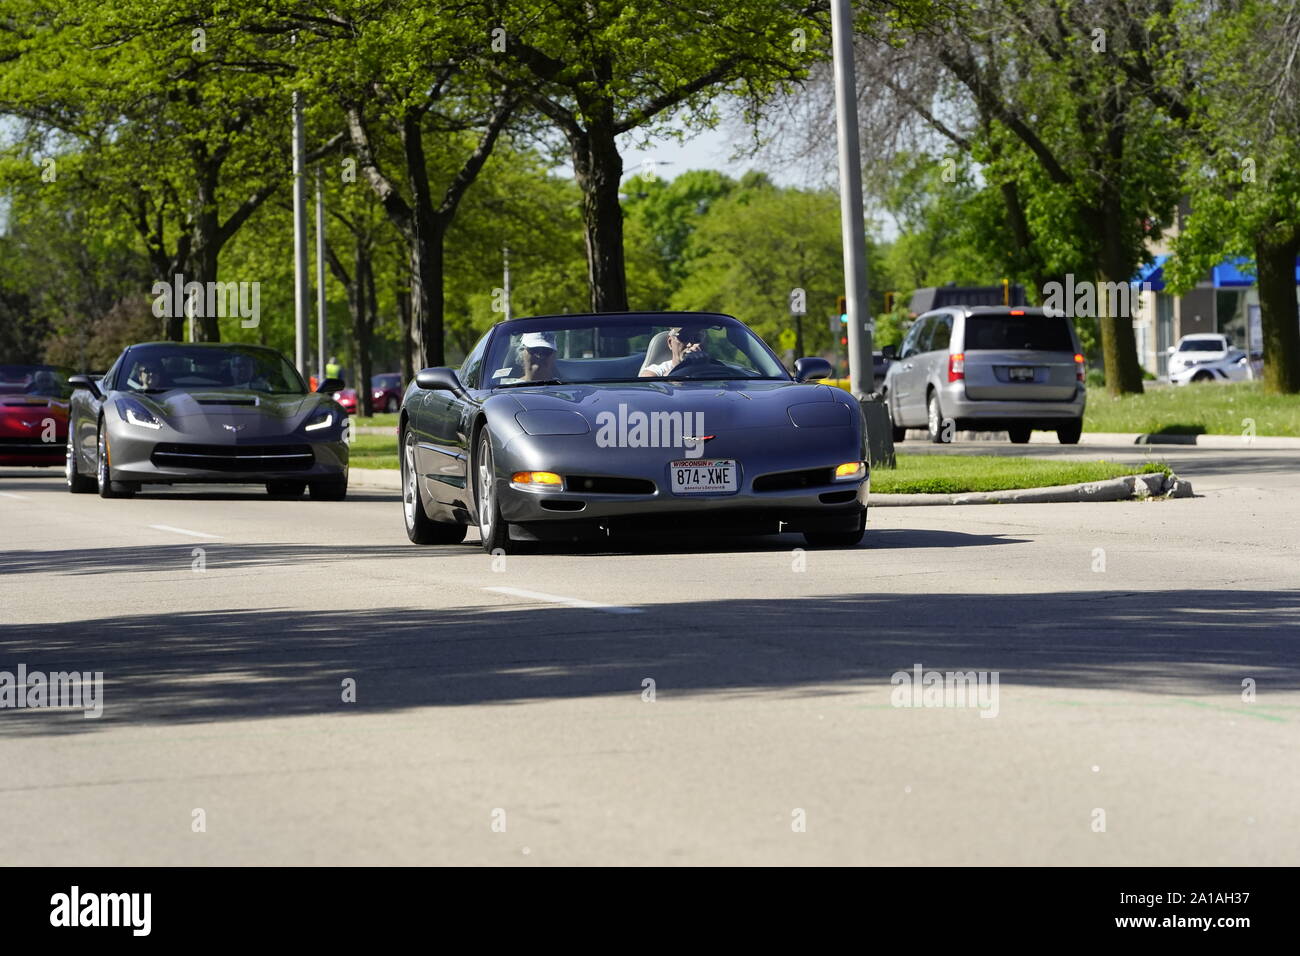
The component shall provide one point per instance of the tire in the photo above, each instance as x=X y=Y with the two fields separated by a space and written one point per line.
x=78 y=484
x=1070 y=434
x=419 y=528
x=900 y=434
x=837 y=539
x=391 y=407
x=493 y=531
x=286 y=489
x=108 y=488
x=330 y=489
x=1019 y=434
x=1203 y=377
x=934 y=421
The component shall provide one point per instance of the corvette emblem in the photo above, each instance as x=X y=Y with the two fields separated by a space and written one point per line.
x=233 y=428
x=27 y=424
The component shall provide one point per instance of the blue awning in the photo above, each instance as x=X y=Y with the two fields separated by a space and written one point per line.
x=1234 y=273
x=1153 y=272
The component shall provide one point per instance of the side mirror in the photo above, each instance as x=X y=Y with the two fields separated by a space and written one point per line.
x=1171 y=350
x=439 y=379
x=889 y=353
x=329 y=385
x=86 y=382
x=811 y=369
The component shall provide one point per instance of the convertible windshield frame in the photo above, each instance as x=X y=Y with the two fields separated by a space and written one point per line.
x=752 y=357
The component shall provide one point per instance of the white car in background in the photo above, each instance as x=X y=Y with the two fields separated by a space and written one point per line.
x=1207 y=357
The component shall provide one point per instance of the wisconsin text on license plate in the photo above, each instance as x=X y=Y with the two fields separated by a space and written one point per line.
x=697 y=476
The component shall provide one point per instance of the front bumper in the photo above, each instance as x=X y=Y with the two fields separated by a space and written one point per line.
x=290 y=457
x=802 y=460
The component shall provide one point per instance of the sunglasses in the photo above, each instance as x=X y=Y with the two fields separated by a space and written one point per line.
x=539 y=351
x=687 y=337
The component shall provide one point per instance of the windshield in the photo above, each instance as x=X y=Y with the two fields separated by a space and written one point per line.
x=627 y=348
x=162 y=368
x=1201 y=345
x=48 y=381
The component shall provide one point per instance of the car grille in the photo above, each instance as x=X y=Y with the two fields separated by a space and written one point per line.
x=233 y=457
x=789 y=480
x=599 y=485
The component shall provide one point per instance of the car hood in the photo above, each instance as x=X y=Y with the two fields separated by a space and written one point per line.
x=727 y=405
x=207 y=412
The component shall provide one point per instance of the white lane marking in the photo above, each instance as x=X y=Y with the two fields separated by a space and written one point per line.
x=10 y=494
x=193 y=534
x=561 y=599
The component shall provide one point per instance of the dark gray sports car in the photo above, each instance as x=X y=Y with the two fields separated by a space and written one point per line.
x=564 y=427
x=170 y=413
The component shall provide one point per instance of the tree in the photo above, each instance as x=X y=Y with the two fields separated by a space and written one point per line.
x=598 y=69
x=170 y=112
x=1233 y=86
x=758 y=245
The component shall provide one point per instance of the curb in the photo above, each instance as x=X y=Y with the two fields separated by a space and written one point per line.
x=1124 y=488
x=1234 y=442
x=388 y=478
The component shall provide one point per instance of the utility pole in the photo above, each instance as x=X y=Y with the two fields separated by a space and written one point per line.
x=505 y=253
x=862 y=367
x=860 y=325
x=300 y=290
x=320 y=278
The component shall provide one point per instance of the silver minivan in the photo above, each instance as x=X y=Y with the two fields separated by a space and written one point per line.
x=987 y=368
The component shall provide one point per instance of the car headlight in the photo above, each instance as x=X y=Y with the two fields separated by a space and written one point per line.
x=133 y=413
x=324 y=421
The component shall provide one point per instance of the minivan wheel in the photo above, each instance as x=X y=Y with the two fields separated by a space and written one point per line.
x=1069 y=434
x=1019 y=434
x=934 y=421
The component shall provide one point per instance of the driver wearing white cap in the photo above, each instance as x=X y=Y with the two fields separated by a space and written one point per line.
x=536 y=358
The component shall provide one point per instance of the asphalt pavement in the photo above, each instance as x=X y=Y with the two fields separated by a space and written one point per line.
x=668 y=702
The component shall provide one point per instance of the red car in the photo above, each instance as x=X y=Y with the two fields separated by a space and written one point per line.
x=33 y=414
x=386 y=391
x=347 y=397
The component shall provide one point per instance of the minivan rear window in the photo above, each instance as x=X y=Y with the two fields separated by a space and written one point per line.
x=1041 y=333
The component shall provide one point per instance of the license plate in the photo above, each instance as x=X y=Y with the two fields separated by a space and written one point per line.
x=1020 y=373
x=702 y=476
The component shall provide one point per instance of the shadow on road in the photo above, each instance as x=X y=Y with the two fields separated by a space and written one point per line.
x=179 y=667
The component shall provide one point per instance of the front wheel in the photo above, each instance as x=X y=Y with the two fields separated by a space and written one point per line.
x=492 y=529
x=330 y=489
x=419 y=528
x=837 y=539
x=78 y=483
x=108 y=488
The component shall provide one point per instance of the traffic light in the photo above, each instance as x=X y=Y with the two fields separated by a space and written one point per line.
x=842 y=307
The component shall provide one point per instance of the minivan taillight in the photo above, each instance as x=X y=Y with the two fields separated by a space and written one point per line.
x=1078 y=366
x=956 y=366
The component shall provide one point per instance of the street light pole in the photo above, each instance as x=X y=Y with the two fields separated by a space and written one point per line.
x=300 y=290
x=853 y=230
x=320 y=278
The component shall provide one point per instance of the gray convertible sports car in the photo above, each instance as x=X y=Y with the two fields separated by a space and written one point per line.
x=170 y=413
x=564 y=427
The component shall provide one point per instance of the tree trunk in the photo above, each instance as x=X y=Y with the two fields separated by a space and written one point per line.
x=404 y=320
x=362 y=324
x=207 y=247
x=599 y=171
x=1279 y=317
